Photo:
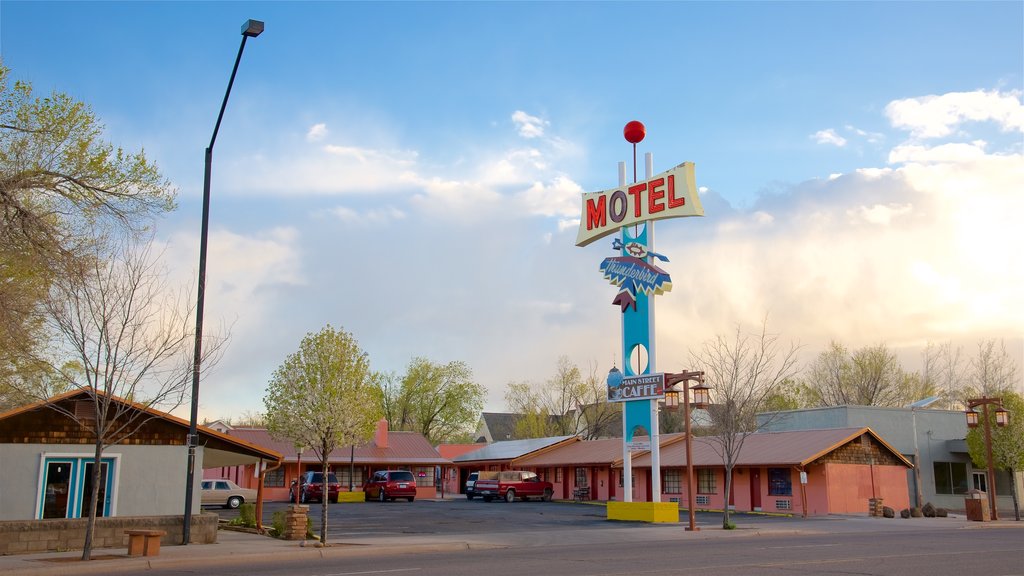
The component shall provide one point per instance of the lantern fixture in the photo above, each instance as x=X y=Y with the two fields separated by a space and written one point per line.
x=701 y=395
x=671 y=400
x=1002 y=417
x=972 y=418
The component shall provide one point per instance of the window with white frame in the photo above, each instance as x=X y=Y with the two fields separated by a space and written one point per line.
x=66 y=485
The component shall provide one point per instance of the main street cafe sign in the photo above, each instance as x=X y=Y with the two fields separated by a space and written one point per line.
x=643 y=387
x=671 y=194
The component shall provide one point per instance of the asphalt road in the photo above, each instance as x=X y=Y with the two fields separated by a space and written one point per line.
x=571 y=539
x=458 y=516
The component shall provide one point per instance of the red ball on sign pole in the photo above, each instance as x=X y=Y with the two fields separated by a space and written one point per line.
x=634 y=132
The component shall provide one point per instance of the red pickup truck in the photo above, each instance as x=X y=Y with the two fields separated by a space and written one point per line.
x=512 y=484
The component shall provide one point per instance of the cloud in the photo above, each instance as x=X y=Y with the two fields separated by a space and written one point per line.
x=470 y=260
x=829 y=136
x=527 y=125
x=938 y=116
x=317 y=132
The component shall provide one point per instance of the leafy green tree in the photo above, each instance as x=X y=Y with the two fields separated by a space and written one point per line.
x=322 y=397
x=63 y=189
x=440 y=401
x=1007 y=442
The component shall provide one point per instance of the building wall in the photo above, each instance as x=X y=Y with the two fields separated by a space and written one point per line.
x=930 y=435
x=851 y=486
x=148 y=480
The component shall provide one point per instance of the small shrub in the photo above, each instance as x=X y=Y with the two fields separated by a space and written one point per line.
x=246 y=516
x=277 y=523
x=730 y=525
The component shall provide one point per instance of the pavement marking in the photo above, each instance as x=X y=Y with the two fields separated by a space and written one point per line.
x=374 y=572
x=797 y=546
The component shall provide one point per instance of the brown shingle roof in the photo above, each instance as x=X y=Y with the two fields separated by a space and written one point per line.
x=403 y=448
x=795 y=448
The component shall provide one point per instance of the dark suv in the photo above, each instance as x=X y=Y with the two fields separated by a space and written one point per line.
x=312 y=487
x=391 y=484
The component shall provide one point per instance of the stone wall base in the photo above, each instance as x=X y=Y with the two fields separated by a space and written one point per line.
x=63 y=534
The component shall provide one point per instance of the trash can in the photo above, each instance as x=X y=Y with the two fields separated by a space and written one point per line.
x=976 y=506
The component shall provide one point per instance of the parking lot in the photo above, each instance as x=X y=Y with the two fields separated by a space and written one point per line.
x=461 y=516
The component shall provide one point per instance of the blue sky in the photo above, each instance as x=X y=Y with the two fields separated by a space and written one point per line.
x=411 y=171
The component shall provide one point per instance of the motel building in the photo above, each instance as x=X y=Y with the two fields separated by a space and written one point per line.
x=843 y=469
x=352 y=465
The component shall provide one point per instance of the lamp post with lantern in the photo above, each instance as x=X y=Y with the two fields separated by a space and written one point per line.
x=1002 y=419
x=700 y=400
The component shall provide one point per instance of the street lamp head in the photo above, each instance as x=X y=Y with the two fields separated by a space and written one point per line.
x=1002 y=417
x=671 y=400
x=972 y=418
x=252 y=28
x=701 y=395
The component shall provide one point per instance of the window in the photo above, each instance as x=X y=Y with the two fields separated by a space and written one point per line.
x=581 y=476
x=343 y=473
x=950 y=477
x=673 y=481
x=424 y=475
x=274 y=478
x=558 y=474
x=706 y=481
x=622 y=477
x=780 y=482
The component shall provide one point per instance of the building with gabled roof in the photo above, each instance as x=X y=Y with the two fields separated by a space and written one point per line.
x=831 y=471
x=353 y=465
x=47 y=457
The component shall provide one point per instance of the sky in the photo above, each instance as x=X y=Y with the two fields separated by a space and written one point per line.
x=412 y=172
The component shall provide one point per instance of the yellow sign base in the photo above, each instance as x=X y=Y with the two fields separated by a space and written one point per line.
x=351 y=496
x=657 y=512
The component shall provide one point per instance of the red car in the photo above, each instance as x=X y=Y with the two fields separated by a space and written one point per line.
x=312 y=488
x=391 y=484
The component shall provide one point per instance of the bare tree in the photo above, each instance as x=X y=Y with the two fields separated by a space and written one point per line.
x=870 y=376
x=124 y=340
x=945 y=368
x=744 y=371
x=992 y=372
x=566 y=404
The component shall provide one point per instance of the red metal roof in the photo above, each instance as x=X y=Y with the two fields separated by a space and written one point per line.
x=794 y=448
x=403 y=448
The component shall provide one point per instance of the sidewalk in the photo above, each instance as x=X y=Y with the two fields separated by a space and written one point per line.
x=233 y=548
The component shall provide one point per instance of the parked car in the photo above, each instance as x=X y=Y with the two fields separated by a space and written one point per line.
x=391 y=484
x=512 y=484
x=312 y=487
x=471 y=482
x=225 y=493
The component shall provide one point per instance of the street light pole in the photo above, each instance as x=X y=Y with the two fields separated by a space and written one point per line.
x=251 y=28
x=684 y=378
x=972 y=422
